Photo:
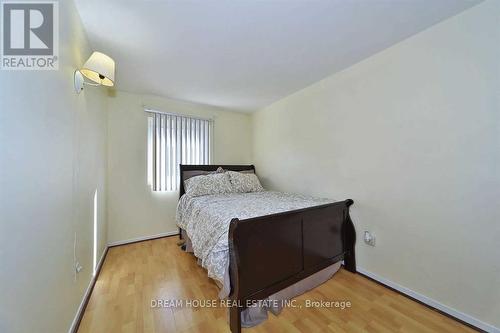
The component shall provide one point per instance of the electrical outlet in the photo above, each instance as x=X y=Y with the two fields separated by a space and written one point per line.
x=369 y=238
x=78 y=267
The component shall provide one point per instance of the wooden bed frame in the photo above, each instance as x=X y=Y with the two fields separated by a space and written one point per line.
x=269 y=253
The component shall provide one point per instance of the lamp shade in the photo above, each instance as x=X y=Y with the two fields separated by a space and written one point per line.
x=100 y=68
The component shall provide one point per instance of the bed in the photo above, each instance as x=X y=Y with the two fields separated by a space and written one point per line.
x=256 y=245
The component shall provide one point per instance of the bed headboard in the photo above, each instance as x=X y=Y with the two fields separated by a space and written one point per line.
x=188 y=170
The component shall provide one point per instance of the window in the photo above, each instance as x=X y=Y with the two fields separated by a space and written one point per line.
x=173 y=140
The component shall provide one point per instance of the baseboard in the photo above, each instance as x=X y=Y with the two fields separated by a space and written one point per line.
x=86 y=297
x=431 y=303
x=140 y=239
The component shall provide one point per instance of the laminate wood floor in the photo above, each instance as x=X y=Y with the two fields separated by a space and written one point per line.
x=133 y=275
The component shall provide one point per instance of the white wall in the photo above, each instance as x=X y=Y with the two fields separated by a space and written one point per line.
x=52 y=158
x=412 y=135
x=133 y=209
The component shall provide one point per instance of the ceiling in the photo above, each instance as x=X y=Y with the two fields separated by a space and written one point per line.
x=246 y=54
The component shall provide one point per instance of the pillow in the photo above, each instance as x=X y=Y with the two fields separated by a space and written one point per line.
x=208 y=184
x=194 y=173
x=244 y=182
x=219 y=170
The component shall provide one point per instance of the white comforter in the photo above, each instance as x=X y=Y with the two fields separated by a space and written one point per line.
x=206 y=221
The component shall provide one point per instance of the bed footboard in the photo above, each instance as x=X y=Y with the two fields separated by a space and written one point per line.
x=272 y=252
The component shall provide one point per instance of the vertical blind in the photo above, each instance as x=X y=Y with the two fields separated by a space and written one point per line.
x=173 y=140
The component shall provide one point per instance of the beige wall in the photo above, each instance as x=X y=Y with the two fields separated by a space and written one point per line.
x=412 y=135
x=53 y=157
x=133 y=209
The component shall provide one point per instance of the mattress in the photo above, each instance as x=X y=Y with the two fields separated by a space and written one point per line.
x=205 y=221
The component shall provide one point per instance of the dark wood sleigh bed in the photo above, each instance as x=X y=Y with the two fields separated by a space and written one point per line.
x=269 y=253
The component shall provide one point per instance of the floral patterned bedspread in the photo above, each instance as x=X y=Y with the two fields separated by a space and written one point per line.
x=206 y=220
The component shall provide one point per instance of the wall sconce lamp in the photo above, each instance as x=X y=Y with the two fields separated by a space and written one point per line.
x=99 y=69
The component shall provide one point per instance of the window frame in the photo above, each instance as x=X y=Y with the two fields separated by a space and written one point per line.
x=194 y=131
